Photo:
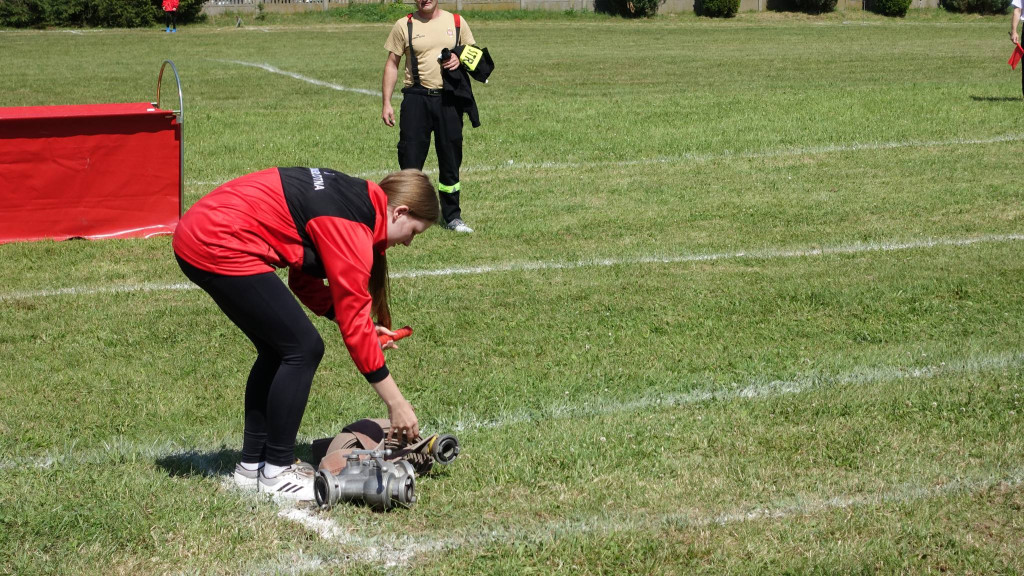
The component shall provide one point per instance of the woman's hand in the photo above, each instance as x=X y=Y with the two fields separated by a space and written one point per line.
x=400 y=412
x=403 y=421
x=391 y=345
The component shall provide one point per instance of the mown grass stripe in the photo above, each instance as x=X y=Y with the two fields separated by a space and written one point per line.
x=726 y=154
x=512 y=165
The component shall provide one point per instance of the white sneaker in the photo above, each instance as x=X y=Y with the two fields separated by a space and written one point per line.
x=247 y=479
x=293 y=483
x=459 y=226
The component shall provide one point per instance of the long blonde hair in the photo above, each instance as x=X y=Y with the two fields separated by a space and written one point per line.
x=410 y=188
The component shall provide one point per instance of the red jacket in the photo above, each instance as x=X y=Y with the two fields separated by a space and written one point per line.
x=170 y=5
x=318 y=223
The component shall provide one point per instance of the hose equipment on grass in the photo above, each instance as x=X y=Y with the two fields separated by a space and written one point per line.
x=363 y=464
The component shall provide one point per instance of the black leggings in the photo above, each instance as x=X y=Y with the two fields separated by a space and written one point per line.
x=288 y=347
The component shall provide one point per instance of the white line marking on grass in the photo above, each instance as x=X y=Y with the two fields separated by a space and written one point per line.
x=765 y=254
x=207 y=460
x=392 y=551
x=121 y=449
x=793 y=508
x=87 y=291
x=759 y=254
x=296 y=76
x=323 y=526
x=752 y=389
x=398 y=551
x=385 y=551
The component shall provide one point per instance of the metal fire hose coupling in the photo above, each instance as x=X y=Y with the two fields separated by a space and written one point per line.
x=444 y=448
x=378 y=484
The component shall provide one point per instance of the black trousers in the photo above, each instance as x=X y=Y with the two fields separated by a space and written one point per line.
x=421 y=116
x=288 y=352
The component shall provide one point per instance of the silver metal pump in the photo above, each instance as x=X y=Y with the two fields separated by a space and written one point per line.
x=372 y=481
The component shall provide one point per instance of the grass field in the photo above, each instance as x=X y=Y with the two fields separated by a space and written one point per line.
x=745 y=297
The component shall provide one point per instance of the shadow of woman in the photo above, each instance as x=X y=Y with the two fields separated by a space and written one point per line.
x=215 y=464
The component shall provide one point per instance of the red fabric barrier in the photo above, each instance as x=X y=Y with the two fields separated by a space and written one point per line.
x=91 y=171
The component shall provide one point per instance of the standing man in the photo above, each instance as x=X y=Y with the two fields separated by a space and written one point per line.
x=1015 y=19
x=425 y=108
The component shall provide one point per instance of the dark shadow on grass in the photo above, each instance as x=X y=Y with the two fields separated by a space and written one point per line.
x=194 y=463
x=997 y=98
x=212 y=464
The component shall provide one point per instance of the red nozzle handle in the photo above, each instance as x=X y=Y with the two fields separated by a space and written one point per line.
x=399 y=334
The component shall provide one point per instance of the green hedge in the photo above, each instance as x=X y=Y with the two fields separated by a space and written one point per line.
x=629 y=8
x=889 y=7
x=106 y=13
x=808 y=6
x=717 y=8
x=977 y=6
x=816 y=6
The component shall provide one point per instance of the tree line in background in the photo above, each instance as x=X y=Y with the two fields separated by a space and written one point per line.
x=90 y=13
x=142 y=13
x=729 y=8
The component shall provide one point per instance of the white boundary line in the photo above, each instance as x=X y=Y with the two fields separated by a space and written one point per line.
x=754 y=388
x=296 y=76
x=87 y=291
x=394 y=551
x=757 y=254
x=538 y=265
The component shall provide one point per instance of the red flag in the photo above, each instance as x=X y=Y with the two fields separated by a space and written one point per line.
x=1016 y=56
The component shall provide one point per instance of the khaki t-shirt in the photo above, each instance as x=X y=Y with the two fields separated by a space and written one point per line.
x=428 y=38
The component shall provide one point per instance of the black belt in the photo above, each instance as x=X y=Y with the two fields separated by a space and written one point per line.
x=422 y=91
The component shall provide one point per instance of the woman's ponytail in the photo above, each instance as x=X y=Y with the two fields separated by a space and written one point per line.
x=411 y=188
x=380 y=289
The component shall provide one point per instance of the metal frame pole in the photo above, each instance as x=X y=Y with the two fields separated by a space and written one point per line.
x=180 y=114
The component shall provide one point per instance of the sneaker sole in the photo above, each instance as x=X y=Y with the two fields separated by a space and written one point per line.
x=246 y=483
x=289 y=491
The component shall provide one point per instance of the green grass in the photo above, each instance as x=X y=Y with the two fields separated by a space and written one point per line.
x=749 y=405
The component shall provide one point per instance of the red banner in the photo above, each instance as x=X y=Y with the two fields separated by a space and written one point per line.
x=92 y=171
